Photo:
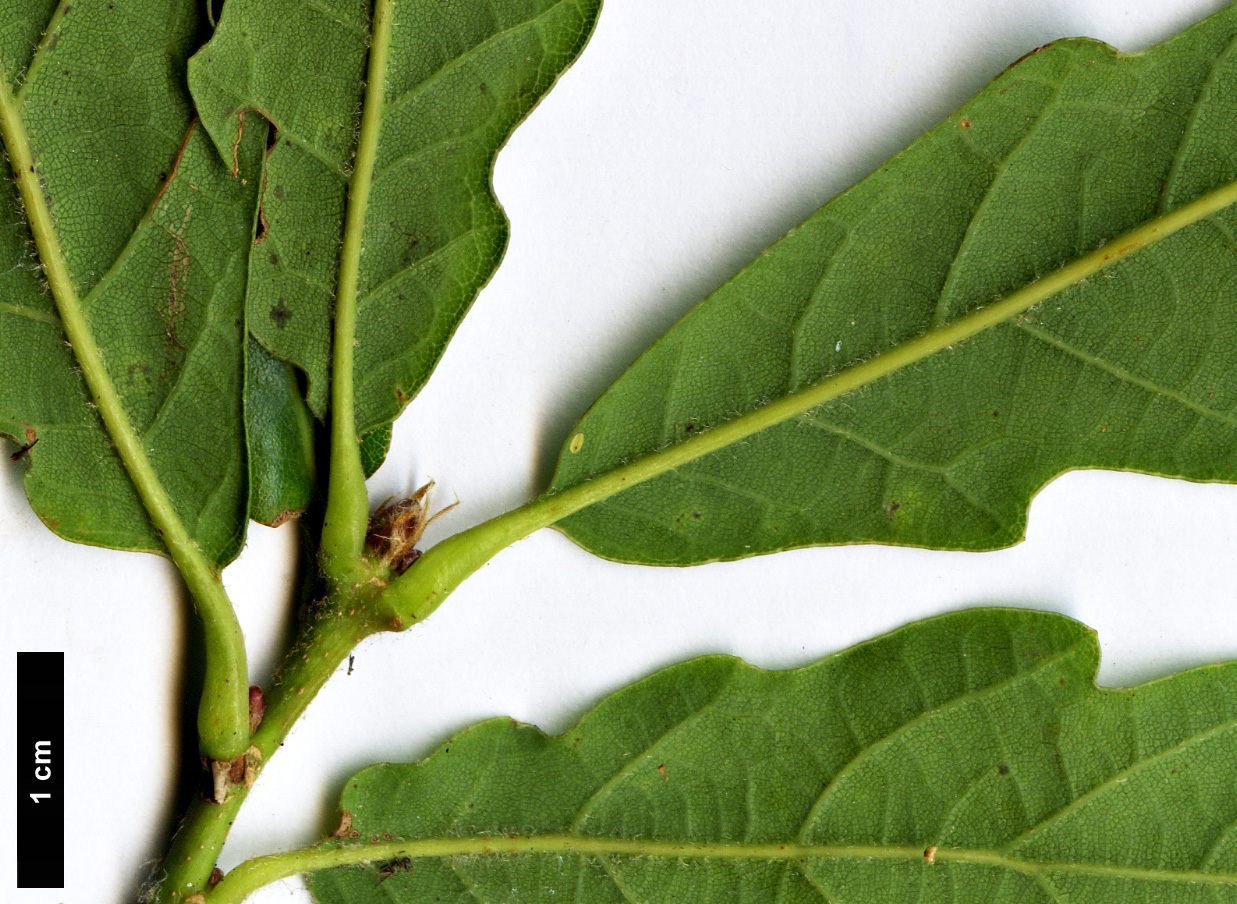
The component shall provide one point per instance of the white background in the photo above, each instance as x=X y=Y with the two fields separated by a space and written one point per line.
x=689 y=136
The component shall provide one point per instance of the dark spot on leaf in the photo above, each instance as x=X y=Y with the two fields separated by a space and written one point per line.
x=965 y=123
x=280 y=314
x=163 y=177
x=891 y=509
x=1002 y=769
x=696 y=514
x=278 y=191
x=274 y=258
x=1061 y=682
x=996 y=414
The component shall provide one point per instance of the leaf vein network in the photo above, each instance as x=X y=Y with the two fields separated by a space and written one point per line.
x=361 y=30
x=459 y=60
x=1191 y=121
x=1124 y=375
x=957 y=703
x=1117 y=778
x=635 y=760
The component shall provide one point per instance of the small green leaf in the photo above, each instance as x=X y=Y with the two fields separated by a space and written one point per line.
x=154 y=233
x=279 y=430
x=374 y=446
x=460 y=77
x=969 y=757
x=1129 y=368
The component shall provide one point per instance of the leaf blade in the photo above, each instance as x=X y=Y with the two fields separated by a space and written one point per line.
x=457 y=84
x=151 y=230
x=903 y=460
x=969 y=754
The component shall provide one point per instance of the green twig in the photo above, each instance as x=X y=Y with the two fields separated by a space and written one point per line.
x=321 y=648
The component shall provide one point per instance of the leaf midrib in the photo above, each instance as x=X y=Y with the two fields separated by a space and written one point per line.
x=422 y=589
x=262 y=870
x=224 y=723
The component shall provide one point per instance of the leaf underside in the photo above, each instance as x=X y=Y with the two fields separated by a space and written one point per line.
x=1131 y=369
x=461 y=77
x=969 y=757
x=156 y=235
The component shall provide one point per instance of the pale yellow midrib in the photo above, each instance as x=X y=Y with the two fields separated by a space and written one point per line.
x=422 y=589
x=227 y=674
x=262 y=870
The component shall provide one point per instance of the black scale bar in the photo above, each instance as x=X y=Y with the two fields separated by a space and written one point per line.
x=40 y=770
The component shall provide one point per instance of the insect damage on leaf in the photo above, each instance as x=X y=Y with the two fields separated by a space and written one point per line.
x=31 y=439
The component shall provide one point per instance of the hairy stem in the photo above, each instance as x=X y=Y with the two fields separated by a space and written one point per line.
x=323 y=644
x=423 y=588
x=223 y=716
x=347 y=510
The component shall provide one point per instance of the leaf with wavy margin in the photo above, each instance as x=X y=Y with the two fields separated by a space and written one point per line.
x=968 y=757
x=460 y=77
x=155 y=235
x=1126 y=368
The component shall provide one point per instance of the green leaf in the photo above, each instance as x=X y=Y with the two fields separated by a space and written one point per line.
x=460 y=77
x=969 y=757
x=279 y=430
x=1129 y=368
x=154 y=234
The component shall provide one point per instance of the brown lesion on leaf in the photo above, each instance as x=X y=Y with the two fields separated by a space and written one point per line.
x=31 y=438
x=345 y=825
x=272 y=138
x=173 y=312
x=167 y=180
x=260 y=233
x=284 y=516
x=280 y=314
x=236 y=145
